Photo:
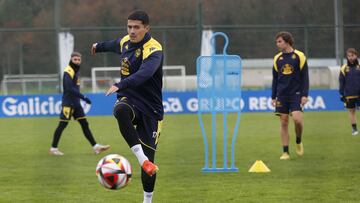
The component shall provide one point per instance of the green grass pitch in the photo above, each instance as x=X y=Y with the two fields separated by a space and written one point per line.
x=329 y=171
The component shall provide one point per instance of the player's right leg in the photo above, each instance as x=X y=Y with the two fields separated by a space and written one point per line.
x=284 y=133
x=125 y=114
x=65 y=116
x=282 y=110
x=56 y=138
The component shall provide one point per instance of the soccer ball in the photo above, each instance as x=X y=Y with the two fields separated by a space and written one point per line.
x=114 y=171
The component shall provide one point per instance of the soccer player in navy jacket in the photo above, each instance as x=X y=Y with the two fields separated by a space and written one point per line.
x=290 y=87
x=71 y=107
x=349 y=80
x=139 y=93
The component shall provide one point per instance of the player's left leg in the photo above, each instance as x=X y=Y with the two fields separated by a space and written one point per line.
x=86 y=130
x=352 y=118
x=149 y=131
x=148 y=182
x=298 y=122
x=351 y=104
x=79 y=115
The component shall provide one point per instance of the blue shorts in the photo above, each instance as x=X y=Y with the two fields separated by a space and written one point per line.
x=69 y=111
x=286 y=105
x=147 y=128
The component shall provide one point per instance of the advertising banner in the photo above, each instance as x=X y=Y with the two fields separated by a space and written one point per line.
x=174 y=103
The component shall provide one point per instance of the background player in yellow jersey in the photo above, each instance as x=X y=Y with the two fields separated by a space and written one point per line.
x=71 y=107
x=349 y=80
x=290 y=89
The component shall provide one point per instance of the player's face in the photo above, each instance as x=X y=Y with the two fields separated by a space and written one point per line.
x=281 y=44
x=136 y=30
x=76 y=60
x=351 y=57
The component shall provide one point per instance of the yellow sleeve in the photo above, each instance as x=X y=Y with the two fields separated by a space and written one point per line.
x=70 y=71
x=275 y=59
x=302 y=58
x=123 y=40
x=150 y=47
x=342 y=69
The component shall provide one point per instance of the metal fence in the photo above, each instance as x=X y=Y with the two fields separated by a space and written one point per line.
x=181 y=45
x=33 y=50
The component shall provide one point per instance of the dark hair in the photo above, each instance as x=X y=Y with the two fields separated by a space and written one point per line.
x=140 y=15
x=286 y=36
x=75 y=53
x=352 y=50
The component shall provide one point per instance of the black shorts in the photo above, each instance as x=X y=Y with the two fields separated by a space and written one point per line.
x=69 y=111
x=352 y=103
x=286 y=105
x=148 y=128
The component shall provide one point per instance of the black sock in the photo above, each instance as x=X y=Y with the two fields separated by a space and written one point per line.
x=124 y=115
x=147 y=181
x=354 y=127
x=298 y=140
x=286 y=149
x=86 y=130
x=57 y=134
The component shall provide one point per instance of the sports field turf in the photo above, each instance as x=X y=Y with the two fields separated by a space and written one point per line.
x=329 y=171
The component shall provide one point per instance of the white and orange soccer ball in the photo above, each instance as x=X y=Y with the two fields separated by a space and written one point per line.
x=114 y=171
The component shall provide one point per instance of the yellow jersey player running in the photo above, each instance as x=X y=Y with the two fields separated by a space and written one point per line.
x=290 y=87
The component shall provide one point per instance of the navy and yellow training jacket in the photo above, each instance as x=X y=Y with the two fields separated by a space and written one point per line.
x=141 y=72
x=71 y=87
x=349 y=80
x=290 y=75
